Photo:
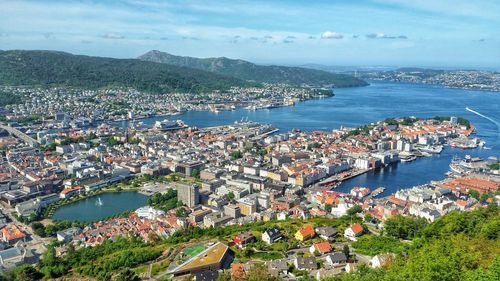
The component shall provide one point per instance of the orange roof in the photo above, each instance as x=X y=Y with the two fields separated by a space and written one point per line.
x=12 y=232
x=307 y=230
x=357 y=228
x=238 y=271
x=323 y=247
x=480 y=185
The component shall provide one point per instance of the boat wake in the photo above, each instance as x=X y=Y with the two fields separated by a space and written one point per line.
x=485 y=117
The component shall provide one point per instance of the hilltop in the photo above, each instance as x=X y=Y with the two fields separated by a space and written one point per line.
x=52 y=68
x=260 y=73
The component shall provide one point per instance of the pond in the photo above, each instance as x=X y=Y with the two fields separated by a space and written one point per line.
x=100 y=206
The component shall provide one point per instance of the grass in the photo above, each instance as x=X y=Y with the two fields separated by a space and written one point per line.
x=194 y=250
x=159 y=267
x=267 y=256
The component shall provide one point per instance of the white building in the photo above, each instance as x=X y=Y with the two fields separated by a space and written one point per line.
x=149 y=213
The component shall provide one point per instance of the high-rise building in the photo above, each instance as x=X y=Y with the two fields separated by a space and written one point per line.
x=188 y=194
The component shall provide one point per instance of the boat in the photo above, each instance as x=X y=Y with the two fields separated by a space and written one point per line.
x=377 y=191
x=432 y=149
x=169 y=125
x=426 y=154
x=408 y=158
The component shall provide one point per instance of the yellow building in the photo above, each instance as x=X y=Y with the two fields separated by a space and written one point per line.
x=305 y=232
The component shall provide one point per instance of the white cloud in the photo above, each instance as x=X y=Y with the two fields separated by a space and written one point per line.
x=331 y=35
x=381 y=35
x=112 y=36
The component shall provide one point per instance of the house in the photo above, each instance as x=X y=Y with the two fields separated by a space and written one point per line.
x=336 y=258
x=305 y=263
x=68 y=234
x=244 y=238
x=69 y=192
x=305 y=232
x=277 y=267
x=238 y=271
x=351 y=267
x=325 y=273
x=17 y=255
x=12 y=233
x=327 y=232
x=271 y=236
x=382 y=260
x=322 y=248
x=353 y=232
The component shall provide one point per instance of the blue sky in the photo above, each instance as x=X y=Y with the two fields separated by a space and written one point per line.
x=358 y=33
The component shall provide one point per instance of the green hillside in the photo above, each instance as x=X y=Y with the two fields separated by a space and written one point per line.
x=261 y=73
x=49 y=68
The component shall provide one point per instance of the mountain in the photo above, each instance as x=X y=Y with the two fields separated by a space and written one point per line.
x=51 y=68
x=260 y=73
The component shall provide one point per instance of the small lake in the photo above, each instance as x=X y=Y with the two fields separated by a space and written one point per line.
x=89 y=209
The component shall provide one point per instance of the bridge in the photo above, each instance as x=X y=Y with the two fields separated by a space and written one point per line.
x=15 y=132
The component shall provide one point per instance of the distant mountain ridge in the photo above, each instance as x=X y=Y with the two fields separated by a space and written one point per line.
x=260 y=73
x=54 y=68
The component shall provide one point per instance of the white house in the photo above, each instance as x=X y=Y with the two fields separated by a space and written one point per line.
x=382 y=260
x=353 y=232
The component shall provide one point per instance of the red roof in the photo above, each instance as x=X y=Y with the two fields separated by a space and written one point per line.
x=357 y=228
x=323 y=247
x=307 y=231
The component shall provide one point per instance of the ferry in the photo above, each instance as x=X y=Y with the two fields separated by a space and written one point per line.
x=462 y=166
x=436 y=149
x=166 y=125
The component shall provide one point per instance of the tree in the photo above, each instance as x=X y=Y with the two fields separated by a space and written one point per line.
x=230 y=195
x=224 y=276
x=236 y=154
x=485 y=196
x=181 y=212
x=368 y=217
x=328 y=208
x=346 y=250
x=259 y=272
x=126 y=275
x=195 y=173
x=404 y=227
x=354 y=210
x=474 y=194
x=28 y=273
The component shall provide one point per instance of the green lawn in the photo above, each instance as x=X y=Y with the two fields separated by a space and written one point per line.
x=194 y=250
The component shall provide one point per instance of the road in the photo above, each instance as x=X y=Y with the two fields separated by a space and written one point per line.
x=15 y=132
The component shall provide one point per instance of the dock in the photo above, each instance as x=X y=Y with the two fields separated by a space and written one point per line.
x=377 y=191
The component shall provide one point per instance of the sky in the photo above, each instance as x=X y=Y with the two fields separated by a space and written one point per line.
x=433 y=33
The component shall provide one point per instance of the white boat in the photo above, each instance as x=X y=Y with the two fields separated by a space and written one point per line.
x=432 y=149
x=408 y=158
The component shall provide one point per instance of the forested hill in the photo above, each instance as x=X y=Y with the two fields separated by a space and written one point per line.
x=50 y=68
x=260 y=73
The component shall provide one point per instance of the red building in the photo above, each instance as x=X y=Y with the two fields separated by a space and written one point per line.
x=244 y=238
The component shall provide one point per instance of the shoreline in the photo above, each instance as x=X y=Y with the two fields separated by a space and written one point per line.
x=52 y=208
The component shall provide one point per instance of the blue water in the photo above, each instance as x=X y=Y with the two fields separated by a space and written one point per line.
x=113 y=203
x=351 y=107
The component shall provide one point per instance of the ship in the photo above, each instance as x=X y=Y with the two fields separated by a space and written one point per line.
x=463 y=166
x=408 y=158
x=166 y=125
x=436 y=149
